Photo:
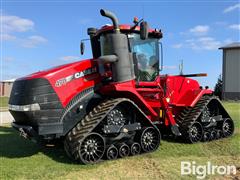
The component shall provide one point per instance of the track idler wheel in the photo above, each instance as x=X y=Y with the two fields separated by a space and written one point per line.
x=135 y=148
x=150 y=139
x=91 y=148
x=227 y=127
x=123 y=150
x=206 y=136
x=112 y=153
x=219 y=134
x=195 y=132
x=213 y=135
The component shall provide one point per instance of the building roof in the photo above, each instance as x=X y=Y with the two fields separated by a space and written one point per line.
x=235 y=45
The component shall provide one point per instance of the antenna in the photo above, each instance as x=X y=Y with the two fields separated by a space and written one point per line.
x=181 y=68
x=143 y=11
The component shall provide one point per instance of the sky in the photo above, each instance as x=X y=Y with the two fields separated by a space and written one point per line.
x=36 y=35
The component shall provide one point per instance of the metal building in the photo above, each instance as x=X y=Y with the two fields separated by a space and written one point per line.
x=231 y=71
x=6 y=87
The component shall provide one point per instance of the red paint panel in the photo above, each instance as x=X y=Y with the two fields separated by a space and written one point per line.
x=182 y=91
x=68 y=90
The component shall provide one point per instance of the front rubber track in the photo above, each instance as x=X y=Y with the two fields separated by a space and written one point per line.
x=76 y=138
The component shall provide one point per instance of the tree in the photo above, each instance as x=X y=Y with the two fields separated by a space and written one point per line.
x=219 y=87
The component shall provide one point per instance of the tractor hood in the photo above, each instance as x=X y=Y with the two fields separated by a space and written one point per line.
x=48 y=73
x=67 y=80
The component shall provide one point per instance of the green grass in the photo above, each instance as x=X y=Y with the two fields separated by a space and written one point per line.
x=4 y=101
x=22 y=159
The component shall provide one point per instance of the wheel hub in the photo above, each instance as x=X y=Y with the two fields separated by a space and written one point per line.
x=194 y=131
x=92 y=148
x=148 y=138
x=115 y=117
x=205 y=115
x=225 y=127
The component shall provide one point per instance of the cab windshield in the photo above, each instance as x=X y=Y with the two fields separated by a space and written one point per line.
x=147 y=55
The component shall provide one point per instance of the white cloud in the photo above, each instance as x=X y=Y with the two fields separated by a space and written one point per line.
x=33 y=41
x=231 y=8
x=69 y=58
x=209 y=43
x=177 y=46
x=235 y=26
x=228 y=41
x=204 y=43
x=7 y=37
x=15 y=24
x=200 y=30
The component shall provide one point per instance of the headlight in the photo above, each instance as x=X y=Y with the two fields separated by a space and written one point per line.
x=29 y=107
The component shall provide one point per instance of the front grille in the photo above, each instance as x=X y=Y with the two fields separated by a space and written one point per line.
x=32 y=91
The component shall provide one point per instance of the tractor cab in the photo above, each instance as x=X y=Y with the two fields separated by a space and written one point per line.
x=132 y=51
x=146 y=53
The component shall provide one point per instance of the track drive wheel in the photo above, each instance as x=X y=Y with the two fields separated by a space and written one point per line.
x=195 y=132
x=91 y=149
x=227 y=127
x=150 y=139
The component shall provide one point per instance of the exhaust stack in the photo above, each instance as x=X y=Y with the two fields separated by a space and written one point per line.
x=121 y=59
x=113 y=17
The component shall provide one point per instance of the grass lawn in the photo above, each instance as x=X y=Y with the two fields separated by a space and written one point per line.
x=4 y=101
x=22 y=159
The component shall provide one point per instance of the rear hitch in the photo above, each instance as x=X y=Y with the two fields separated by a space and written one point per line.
x=23 y=134
x=27 y=132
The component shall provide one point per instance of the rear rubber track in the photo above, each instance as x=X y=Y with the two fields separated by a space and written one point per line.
x=192 y=116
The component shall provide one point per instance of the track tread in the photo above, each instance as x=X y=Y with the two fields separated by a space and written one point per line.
x=191 y=114
x=87 y=125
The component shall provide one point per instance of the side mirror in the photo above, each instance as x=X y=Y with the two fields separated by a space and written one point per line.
x=143 y=30
x=82 y=47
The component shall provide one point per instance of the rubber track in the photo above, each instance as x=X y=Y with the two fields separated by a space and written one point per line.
x=191 y=114
x=88 y=124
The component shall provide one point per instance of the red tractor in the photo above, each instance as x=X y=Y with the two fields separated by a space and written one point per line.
x=116 y=104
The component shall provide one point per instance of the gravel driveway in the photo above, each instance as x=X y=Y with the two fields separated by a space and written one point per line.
x=5 y=117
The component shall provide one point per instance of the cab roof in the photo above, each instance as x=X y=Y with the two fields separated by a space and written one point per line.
x=127 y=28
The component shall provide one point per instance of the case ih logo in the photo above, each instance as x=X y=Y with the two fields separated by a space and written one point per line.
x=77 y=75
